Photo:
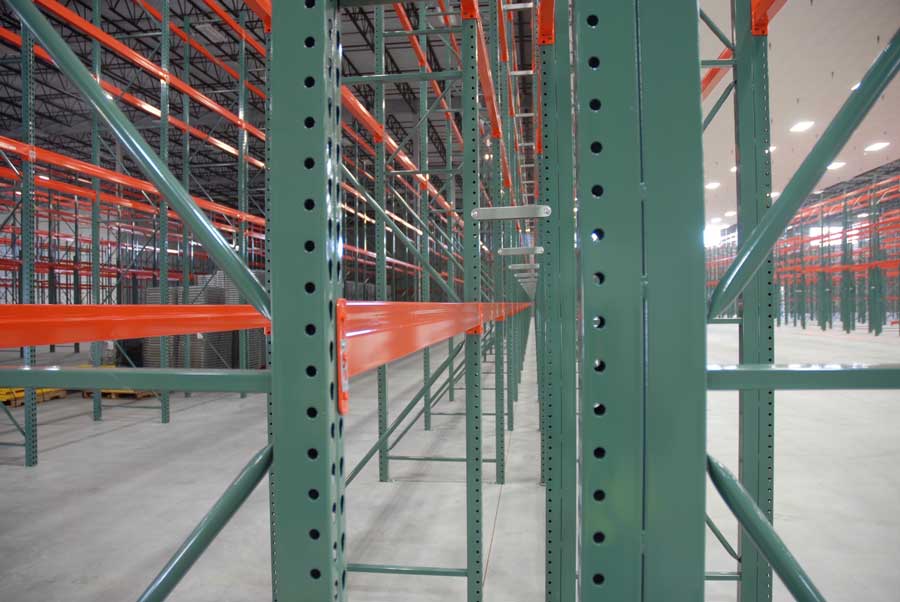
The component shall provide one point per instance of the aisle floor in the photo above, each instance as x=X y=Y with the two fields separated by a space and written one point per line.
x=110 y=501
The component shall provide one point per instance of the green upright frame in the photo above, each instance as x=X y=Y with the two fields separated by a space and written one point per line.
x=307 y=476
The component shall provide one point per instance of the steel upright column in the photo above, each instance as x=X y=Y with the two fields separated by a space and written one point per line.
x=424 y=213
x=188 y=251
x=756 y=330
x=163 y=251
x=642 y=421
x=497 y=195
x=27 y=227
x=96 y=347
x=242 y=175
x=675 y=285
x=550 y=316
x=307 y=476
x=384 y=472
x=471 y=193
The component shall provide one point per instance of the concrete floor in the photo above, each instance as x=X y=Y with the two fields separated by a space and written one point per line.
x=110 y=501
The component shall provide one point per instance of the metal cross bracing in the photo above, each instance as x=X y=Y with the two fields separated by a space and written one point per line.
x=408 y=214
x=354 y=190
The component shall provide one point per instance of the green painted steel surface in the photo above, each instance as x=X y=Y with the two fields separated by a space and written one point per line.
x=307 y=479
x=425 y=218
x=163 y=245
x=497 y=269
x=756 y=330
x=673 y=217
x=187 y=251
x=96 y=68
x=144 y=379
x=380 y=241
x=430 y=571
x=205 y=532
x=609 y=197
x=804 y=376
x=759 y=528
x=27 y=226
x=471 y=194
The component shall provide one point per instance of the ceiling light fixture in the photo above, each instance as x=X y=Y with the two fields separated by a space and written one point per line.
x=774 y=194
x=854 y=87
x=876 y=146
x=836 y=165
x=733 y=169
x=712 y=185
x=730 y=213
x=772 y=148
x=861 y=215
x=715 y=220
x=802 y=126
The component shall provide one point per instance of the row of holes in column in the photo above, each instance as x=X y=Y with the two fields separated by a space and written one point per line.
x=599 y=278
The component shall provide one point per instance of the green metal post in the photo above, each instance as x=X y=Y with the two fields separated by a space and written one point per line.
x=307 y=478
x=242 y=174
x=187 y=254
x=97 y=346
x=163 y=251
x=563 y=204
x=27 y=227
x=497 y=194
x=384 y=472
x=756 y=330
x=424 y=213
x=472 y=292
x=675 y=285
x=848 y=278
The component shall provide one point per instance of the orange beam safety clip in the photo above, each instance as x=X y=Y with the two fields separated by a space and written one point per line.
x=343 y=364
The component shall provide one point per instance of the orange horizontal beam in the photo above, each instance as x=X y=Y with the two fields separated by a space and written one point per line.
x=35 y=153
x=375 y=332
x=86 y=27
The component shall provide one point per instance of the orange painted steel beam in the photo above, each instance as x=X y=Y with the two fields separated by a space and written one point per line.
x=200 y=47
x=546 y=24
x=242 y=33
x=263 y=10
x=16 y=40
x=38 y=154
x=86 y=27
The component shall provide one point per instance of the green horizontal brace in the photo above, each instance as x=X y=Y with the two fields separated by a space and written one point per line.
x=717 y=63
x=417 y=32
x=448 y=413
x=155 y=170
x=803 y=376
x=716 y=576
x=760 y=531
x=393 y=78
x=205 y=532
x=445 y=171
x=8 y=444
x=427 y=459
x=142 y=379
x=725 y=321
x=759 y=243
x=432 y=571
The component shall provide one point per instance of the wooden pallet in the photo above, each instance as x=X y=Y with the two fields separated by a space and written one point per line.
x=121 y=394
x=15 y=398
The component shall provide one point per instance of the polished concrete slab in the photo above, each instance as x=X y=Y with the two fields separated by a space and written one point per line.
x=110 y=501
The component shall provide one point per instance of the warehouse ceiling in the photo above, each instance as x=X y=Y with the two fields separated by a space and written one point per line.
x=818 y=50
